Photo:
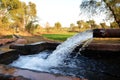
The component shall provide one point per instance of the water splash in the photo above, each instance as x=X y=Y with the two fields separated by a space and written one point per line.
x=43 y=62
x=64 y=49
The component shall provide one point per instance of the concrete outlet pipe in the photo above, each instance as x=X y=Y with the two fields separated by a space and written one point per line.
x=106 y=33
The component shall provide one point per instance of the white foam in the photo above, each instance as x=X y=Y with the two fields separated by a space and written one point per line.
x=64 y=49
x=39 y=61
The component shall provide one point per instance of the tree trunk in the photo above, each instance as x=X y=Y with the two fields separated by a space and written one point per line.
x=115 y=17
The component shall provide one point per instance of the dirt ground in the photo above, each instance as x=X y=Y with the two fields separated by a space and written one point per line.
x=33 y=39
x=5 y=43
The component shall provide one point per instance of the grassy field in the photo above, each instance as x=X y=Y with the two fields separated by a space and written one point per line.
x=60 y=37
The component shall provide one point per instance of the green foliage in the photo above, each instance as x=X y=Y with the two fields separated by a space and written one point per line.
x=103 y=25
x=92 y=24
x=112 y=9
x=8 y=36
x=58 y=25
x=80 y=23
x=31 y=10
x=11 y=4
x=86 y=25
x=4 y=20
x=18 y=13
x=114 y=6
x=114 y=25
x=72 y=27
x=28 y=26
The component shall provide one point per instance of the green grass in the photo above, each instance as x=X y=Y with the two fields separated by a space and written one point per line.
x=60 y=37
x=7 y=36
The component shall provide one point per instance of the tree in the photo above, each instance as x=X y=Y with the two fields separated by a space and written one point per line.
x=58 y=25
x=86 y=25
x=92 y=24
x=30 y=12
x=103 y=25
x=72 y=27
x=30 y=16
x=47 y=27
x=31 y=26
x=114 y=6
x=18 y=12
x=13 y=8
x=80 y=24
x=109 y=7
x=114 y=25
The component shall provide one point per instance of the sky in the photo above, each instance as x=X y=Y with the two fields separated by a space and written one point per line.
x=52 y=11
x=64 y=11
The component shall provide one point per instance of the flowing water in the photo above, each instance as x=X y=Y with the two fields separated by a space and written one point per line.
x=62 y=61
x=62 y=51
